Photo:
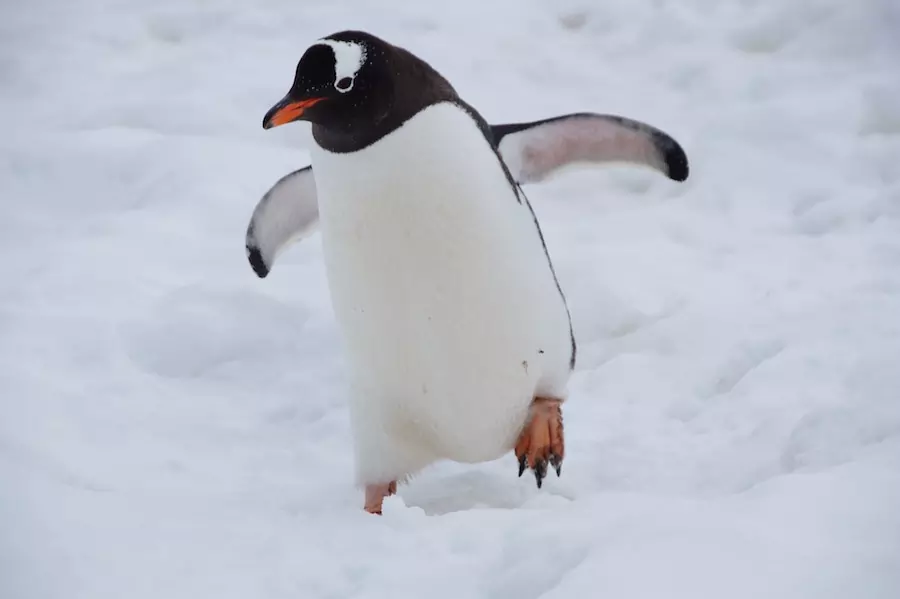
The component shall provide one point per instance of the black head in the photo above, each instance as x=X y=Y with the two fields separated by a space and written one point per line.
x=355 y=88
x=342 y=81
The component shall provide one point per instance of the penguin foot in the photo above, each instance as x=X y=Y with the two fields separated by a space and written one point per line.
x=375 y=495
x=541 y=441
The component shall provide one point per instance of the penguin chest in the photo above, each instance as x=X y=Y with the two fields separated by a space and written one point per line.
x=440 y=284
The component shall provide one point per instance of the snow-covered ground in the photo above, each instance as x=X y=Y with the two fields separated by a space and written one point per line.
x=173 y=427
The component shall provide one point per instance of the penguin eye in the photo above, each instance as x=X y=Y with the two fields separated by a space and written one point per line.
x=343 y=84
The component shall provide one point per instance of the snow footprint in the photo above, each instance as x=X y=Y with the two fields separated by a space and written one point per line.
x=830 y=436
x=199 y=329
x=526 y=573
x=736 y=365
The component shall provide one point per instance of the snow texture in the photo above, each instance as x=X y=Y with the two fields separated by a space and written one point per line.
x=172 y=426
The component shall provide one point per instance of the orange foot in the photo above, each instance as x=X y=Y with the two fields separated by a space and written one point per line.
x=541 y=440
x=375 y=495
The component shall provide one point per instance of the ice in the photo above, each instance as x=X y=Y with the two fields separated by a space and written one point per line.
x=173 y=426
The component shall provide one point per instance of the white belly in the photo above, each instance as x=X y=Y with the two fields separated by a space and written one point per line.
x=451 y=318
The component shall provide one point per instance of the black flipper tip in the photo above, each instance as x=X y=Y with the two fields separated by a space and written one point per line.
x=676 y=160
x=677 y=164
x=257 y=262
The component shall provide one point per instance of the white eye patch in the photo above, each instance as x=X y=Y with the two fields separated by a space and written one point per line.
x=349 y=58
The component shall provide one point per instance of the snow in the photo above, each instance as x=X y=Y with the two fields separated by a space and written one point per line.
x=174 y=427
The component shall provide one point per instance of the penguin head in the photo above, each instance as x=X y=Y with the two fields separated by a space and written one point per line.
x=341 y=81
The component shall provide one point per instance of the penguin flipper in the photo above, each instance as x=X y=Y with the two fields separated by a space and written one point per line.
x=532 y=151
x=287 y=212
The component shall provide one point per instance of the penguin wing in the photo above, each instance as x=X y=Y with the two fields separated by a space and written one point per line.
x=286 y=213
x=533 y=151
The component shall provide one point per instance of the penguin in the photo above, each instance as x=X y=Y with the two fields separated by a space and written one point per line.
x=457 y=335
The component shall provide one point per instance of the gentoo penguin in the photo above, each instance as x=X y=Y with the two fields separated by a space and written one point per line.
x=458 y=339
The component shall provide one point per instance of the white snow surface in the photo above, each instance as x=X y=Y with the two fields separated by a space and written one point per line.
x=171 y=426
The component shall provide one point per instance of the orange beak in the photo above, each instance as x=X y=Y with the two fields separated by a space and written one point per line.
x=286 y=111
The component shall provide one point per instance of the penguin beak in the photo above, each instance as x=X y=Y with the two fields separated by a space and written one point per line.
x=287 y=110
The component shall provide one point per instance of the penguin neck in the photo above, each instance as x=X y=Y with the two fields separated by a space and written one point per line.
x=415 y=85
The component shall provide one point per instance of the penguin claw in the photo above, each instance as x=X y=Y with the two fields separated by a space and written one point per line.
x=541 y=441
x=540 y=471
x=556 y=462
